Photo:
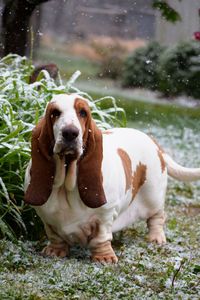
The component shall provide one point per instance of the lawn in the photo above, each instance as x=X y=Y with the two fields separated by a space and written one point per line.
x=144 y=271
x=68 y=63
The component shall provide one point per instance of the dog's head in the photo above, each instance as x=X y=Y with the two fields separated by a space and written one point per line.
x=67 y=130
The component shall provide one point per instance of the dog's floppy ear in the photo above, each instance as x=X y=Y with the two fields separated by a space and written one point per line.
x=90 y=179
x=43 y=166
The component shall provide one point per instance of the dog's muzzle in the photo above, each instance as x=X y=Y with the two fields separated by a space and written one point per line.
x=68 y=143
x=69 y=134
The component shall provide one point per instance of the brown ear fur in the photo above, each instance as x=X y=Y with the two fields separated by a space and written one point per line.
x=90 y=180
x=43 y=166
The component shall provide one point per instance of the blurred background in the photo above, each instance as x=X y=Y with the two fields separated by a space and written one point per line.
x=100 y=38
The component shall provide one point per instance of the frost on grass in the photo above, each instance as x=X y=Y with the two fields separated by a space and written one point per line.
x=144 y=271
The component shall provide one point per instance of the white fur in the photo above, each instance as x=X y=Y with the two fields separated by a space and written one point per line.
x=181 y=173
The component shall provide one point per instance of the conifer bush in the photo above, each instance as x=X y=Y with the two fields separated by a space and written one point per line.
x=140 y=67
x=179 y=70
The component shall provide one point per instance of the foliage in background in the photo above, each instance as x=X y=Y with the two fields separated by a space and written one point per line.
x=140 y=67
x=167 y=11
x=179 y=70
x=173 y=71
x=16 y=15
x=21 y=105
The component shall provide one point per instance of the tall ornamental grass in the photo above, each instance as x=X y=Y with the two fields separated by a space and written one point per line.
x=21 y=106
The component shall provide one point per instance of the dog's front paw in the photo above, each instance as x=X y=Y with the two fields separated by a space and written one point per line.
x=157 y=237
x=103 y=253
x=105 y=259
x=58 y=250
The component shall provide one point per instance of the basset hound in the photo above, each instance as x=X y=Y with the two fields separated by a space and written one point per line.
x=85 y=183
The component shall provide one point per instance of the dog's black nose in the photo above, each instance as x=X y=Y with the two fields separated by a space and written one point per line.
x=70 y=133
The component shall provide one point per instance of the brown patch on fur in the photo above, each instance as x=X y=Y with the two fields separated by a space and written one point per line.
x=127 y=167
x=43 y=166
x=138 y=179
x=160 y=154
x=80 y=104
x=155 y=142
x=162 y=162
x=90 y=179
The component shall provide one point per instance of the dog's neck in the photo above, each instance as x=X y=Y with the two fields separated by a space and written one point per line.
x=66 y=172
x=71 y=175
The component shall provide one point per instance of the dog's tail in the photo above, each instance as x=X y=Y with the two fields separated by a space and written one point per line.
x=179 y=172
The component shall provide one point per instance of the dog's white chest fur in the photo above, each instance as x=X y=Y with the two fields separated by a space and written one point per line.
x=66 y=216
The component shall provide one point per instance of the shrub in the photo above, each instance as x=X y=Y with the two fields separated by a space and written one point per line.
x=179 y=70
x=140 y=67
x=21 y=105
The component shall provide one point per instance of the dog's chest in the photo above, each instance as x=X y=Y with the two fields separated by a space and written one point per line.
x=69 y=218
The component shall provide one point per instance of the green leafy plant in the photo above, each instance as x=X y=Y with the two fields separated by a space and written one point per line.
x=140 y=67
x=167 y=11
x=21 y=106
x=179 y=70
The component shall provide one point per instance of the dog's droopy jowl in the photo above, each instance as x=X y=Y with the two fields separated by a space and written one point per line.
x=86 y=183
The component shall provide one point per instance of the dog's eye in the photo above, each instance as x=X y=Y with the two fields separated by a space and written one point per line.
x=83 y=113
x=55 y=113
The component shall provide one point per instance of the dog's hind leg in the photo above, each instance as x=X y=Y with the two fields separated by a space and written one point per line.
x=155 y=228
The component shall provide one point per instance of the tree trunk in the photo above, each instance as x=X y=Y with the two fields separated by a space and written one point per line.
x=35 y=25
x=15 y=25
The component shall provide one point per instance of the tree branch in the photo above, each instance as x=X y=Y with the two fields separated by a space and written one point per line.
x=167 y=12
